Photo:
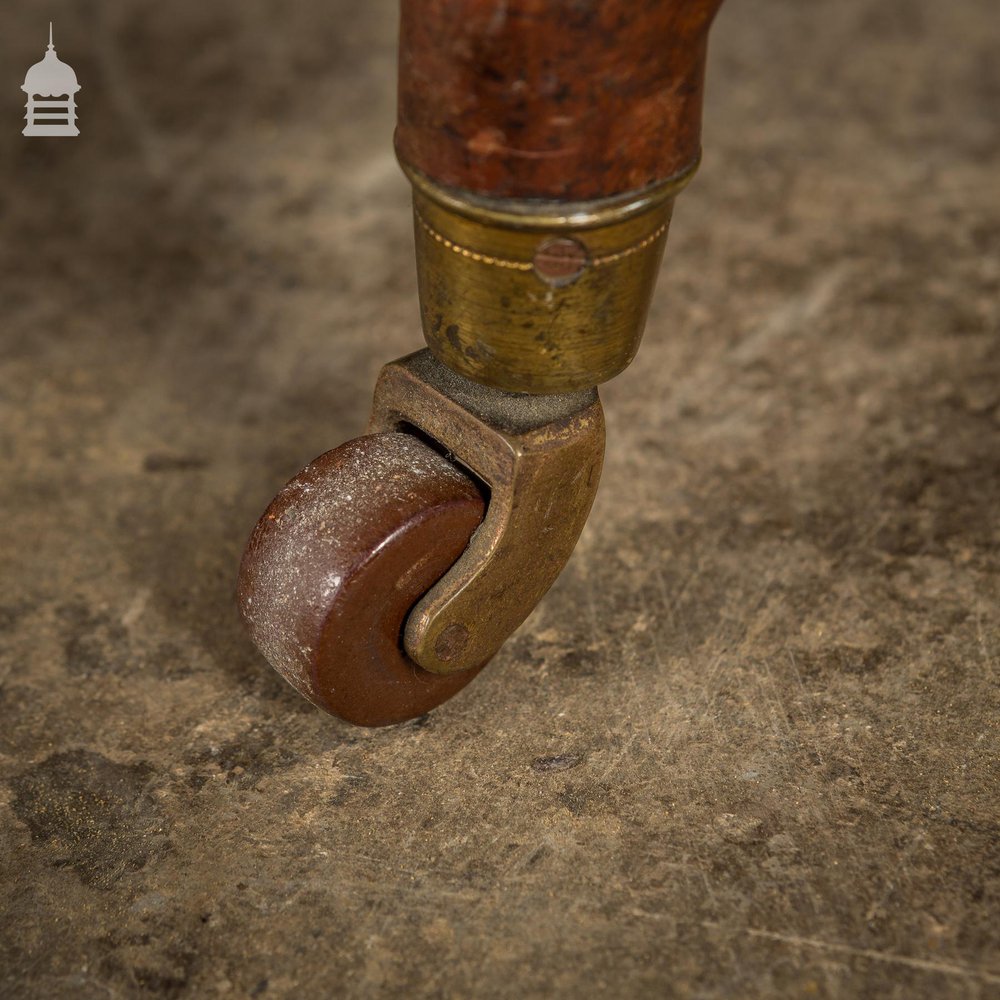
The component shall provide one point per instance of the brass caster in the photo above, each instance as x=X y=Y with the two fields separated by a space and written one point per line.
x=540 y=458
x=375 y=584
x=389 y=571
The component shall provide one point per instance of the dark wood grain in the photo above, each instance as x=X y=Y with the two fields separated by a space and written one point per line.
x=568 y=99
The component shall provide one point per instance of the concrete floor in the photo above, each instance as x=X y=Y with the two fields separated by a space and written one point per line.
x=747 y=746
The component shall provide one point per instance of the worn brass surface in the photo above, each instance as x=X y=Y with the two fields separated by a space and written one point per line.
x=541 y=458
x=537 y=297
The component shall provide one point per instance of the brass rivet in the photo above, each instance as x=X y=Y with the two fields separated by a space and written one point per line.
x=452 y=641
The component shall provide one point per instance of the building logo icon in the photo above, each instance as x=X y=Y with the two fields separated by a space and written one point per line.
x=51 y=78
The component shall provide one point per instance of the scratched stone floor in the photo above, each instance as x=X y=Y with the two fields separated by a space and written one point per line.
x=747 y=746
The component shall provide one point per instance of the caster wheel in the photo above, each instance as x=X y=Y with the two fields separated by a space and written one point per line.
x=336 y=563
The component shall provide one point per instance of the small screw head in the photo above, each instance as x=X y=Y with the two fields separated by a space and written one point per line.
x=560 y=260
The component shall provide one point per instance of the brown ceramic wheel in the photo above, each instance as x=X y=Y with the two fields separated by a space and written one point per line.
x=336 y=563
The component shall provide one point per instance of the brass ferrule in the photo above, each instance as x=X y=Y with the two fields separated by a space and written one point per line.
x=537 y=296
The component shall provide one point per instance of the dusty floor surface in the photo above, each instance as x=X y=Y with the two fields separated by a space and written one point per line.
x=747 y=746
